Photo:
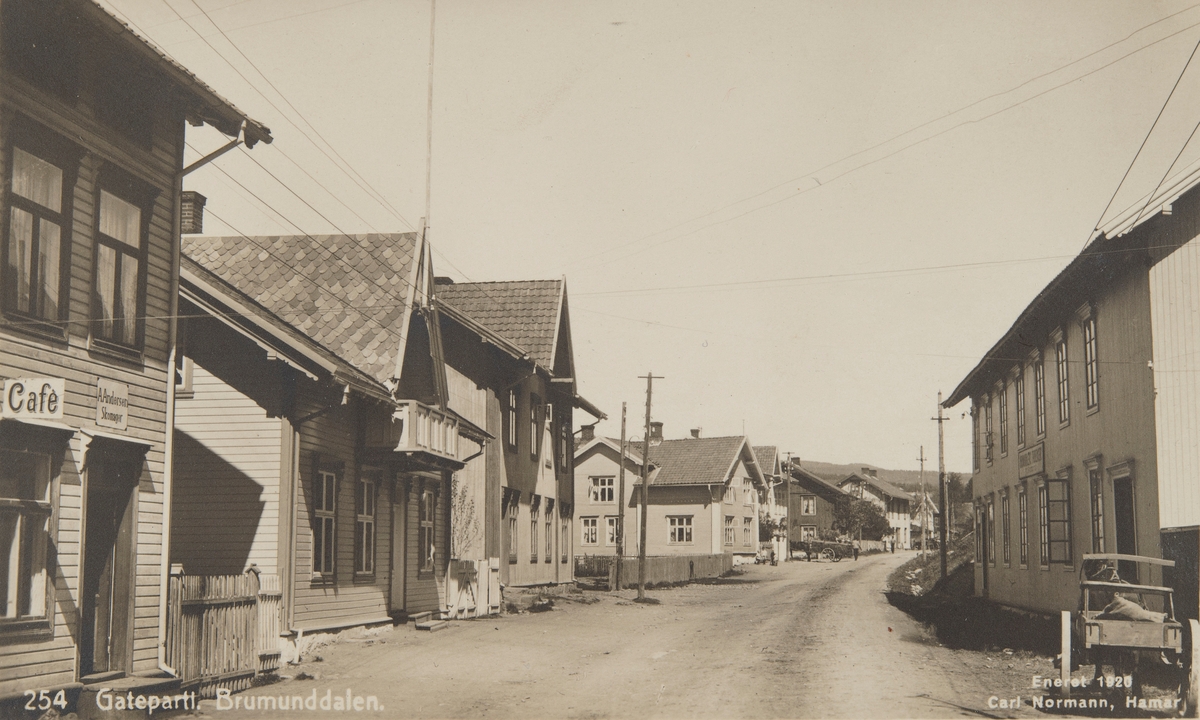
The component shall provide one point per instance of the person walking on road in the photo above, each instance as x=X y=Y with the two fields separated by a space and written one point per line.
x=855 y=544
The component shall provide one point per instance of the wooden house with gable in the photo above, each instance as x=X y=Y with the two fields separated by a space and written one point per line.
x=893 y=500
x=92 y=129
x=511 y=367
x=315 y=439
x=813 y=505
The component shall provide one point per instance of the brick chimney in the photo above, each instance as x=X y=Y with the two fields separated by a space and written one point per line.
x=656 y=435
x=587 y=433
x=191 y=206
x=696 y=432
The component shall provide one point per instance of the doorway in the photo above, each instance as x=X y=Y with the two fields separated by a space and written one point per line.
x=1125 y=527
x=106 y=593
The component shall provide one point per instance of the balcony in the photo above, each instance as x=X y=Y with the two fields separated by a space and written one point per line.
x=419 y=430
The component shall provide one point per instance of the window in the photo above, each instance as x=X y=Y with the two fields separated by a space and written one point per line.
x=566 y=534
x=1023 y=522
x=549 y=531
x=1019 y=388
x=564 y=442
x=1064 y=393
x=535 y=425
x=1003 y=419
x=1055 y=521
x=747 y=527
x=117 y=270
x=681 y=529
x=24 y=536
x=808 y=504
x=1005 y=532
x=590 y=536
x=987 y=429
x=611 y=529
x=1039 y=395
x=602 y=489
x=808 y=532
x=1091 y=366
x=729 y=493
x=979 y=547
x=364 y=524
x=510 y=514
x=533 y=528
x=747 y=493
x=37 y=244
x=512 y=419
x=975 y=435
x=991 y=535
x=428 y=525
x=728 y=529
x=1097 y=488
x=324 y=522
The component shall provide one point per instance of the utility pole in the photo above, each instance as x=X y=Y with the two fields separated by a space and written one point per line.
x=621 y=505
x=650 y=377
x=922 y=506
x=787 y=516
x=941 y=486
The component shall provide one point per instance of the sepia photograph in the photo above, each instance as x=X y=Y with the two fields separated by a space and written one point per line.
x=619 y=359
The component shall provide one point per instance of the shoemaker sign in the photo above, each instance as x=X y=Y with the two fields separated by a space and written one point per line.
x=112 y=404
x=30 y=398
x=1031 y=461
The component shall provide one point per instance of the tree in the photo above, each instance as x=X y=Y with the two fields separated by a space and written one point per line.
x=464 y=525
x=768 y=526
x=860 y=518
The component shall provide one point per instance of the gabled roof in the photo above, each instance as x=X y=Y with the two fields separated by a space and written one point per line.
x=349 y=293
x=631 y=453
x=700 y=461
x=816 y=485
x=205 y=103
x=526 y=312
x=768 y=459
x=882 y=486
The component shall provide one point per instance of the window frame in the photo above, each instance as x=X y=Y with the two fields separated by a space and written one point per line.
x=1096 y=506
x=1091 y=364
x=1062 y=376
x=549 y=528
x=612 y=524
x=747 y=531
x=1019 y=390
x=564 y=519
x=598 y=489
x=729 y=534
x=427 y=529
x=679 y=530
x=589 y=523
x=1039 y=395
x=1023 y=526
x=511 y=509
x=991 y=537
x=511 y=434
x=366 y=499
x=1006 y=527
x=535 y=425
x=31 y=627
x=988 y=439
x=1047 y=542
x=534 y=519
x=49 y=147
x=126 y=188
x=808 y=505
x=1002 y=409
x=323 y=511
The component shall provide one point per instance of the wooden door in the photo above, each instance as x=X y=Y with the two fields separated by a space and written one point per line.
x=106 y=595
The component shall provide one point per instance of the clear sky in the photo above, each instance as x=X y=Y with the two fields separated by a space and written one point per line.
x=810 y=217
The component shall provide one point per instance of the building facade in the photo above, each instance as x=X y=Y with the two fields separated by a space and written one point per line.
x=813 y=505
x=894 y=501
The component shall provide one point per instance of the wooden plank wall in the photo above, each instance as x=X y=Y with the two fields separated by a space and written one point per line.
x=425 y=590
x=470 y=400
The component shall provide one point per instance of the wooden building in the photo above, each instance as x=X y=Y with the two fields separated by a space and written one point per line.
x=315 y=438
x=813 y=504
x=509 y=352
x=92 y=127
x=599 y=504
x=1084 y=413
x=894 y=501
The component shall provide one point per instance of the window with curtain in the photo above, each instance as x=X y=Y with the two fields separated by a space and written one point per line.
x=24 y=535
x=37 y=231
x=115 y=287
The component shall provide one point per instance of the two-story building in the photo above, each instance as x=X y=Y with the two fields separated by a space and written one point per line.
x=894 y=501
x=813 y=505
x=600 y=506
x=1084 y=415
x=92 y=127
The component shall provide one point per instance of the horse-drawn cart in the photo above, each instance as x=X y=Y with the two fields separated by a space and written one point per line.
x=826 y=550
x=1127 y=629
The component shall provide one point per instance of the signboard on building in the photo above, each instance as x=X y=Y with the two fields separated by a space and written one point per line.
x=34 y=398
x=112 y=404
x=1032 y=461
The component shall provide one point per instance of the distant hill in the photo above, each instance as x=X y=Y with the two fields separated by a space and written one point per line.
x=908 y=479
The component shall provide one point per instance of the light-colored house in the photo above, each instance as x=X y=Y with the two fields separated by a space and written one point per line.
x=894 y=501
x=599 y=505
x=92 y=130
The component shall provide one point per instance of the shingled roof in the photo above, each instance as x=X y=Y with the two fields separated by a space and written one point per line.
x=766 y=455
x=694 y=461
x=524 y=312
x=346 y=292
x=883 y=486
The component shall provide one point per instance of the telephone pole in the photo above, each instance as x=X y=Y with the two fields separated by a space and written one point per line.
x=621 y=505
x=650 y=378
x=922 y=506
x=941 y=486
x=787 y=514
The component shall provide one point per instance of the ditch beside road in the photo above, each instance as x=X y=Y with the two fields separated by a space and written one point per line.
x=799 y=639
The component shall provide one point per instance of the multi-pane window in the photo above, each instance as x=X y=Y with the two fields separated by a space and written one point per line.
x=37 y=229
x=534 y=513
x=1064 y=391
x=730 y=494
x=747 y=528
x=808 y=532
x=510 y=518
x=1091 y=365
x=565 y=547
x=24 y=534
x=549 y=531
x=1039 y=396
x=611 y=527
x=987 y=429
x=535 y=425
x=1005 y=526
x=991 y=535
x=564 y=441
x=975 y=444
x=512 y=419
x=808 y=504
x=681 y=529
x=1055 y=521
x=324 y=522
x=1097 y=489
x=1023 y=525
x=602 y=489
x=728 y=529
x=428 y=526
x=1019 y=389
x=117 y=270
x=1003 y=398
x=590 y=530
x=364 y=524
x=748 y=494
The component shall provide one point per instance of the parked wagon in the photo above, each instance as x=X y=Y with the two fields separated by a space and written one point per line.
x=826 y=550
x=1128 y=628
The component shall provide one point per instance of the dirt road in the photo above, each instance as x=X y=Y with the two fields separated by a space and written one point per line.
x=797 y=640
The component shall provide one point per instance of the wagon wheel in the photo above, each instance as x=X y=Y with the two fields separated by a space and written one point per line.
x=836 y=557
x=828 y=554
x=1190 y=689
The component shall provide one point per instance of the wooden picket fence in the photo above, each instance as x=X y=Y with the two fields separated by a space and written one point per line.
x=669 y=569
x=222 y=630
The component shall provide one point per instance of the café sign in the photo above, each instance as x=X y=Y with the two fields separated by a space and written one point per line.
x=33 y=398
x=1031 y=461
x=112 y=404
